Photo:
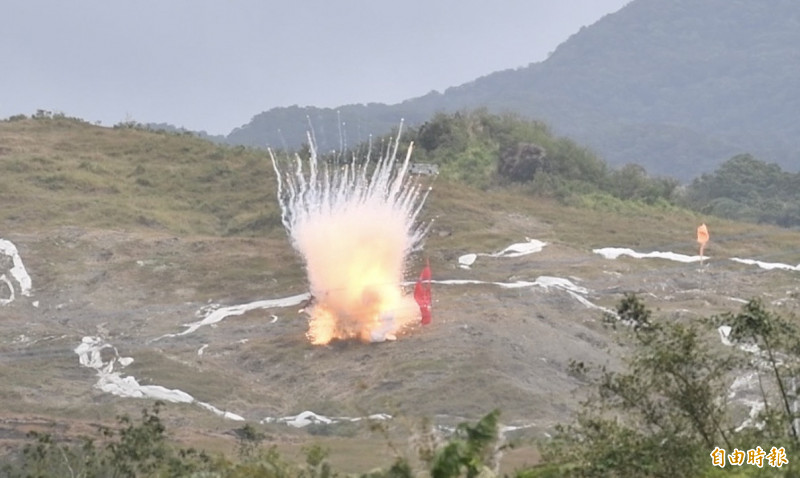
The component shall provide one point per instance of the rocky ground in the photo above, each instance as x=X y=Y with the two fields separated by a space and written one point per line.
x=490 y=345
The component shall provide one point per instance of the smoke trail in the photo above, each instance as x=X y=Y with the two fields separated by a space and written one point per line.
x=354 y=225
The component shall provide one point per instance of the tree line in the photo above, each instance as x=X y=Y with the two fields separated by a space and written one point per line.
x=489 y=150
x=746 y=189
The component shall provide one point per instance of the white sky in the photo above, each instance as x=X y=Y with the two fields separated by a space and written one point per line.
x=213 y=65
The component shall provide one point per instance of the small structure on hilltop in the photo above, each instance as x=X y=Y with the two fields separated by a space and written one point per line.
x=427 y=169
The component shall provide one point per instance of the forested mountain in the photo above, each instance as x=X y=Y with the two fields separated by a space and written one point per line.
x=677 y=86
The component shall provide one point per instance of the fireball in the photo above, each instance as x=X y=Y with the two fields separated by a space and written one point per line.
x=354 y=226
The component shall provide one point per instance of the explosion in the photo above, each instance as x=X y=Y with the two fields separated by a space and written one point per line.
x=354 y=225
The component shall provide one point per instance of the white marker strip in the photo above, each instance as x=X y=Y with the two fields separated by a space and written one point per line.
x=615 y=252
x=17 y=271
x=767 y=265
x=221 y=314
x=307 y=418
x=109 y=381
x=514 y=250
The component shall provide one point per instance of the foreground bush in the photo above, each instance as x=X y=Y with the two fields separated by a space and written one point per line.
x=668 y=412
x=142 y=449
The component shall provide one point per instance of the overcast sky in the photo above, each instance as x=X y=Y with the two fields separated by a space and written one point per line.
x=213 y=65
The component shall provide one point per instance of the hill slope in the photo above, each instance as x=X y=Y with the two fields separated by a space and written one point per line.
x=675 y=86
x=129 y=235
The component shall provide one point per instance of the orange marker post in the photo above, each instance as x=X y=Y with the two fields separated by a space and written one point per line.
x=702 y=238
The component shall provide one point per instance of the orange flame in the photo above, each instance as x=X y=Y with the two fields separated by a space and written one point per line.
x=355 y=265
x=354 y=224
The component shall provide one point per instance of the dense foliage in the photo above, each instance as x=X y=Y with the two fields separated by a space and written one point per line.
x=746 y=189
x=484 y=149
x=143 y=449
x=671 y=407
x=488 y=150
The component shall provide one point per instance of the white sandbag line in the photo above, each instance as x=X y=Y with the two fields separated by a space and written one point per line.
x=17 y=271
x=111 y=381
x=545 y=282
x=514 y=250
x=767 y=265
x=307 y=418
x=222 y=313
x=615 y=252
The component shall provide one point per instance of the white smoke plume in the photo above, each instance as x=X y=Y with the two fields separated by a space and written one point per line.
x=355 y=224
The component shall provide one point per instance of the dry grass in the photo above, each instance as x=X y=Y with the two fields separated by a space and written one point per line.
x=127 y=233
x=60 y=172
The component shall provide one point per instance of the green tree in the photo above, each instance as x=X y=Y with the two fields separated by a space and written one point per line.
x=775 y=347
x=469 y=452
x=745 y=188
x=664 y=405
x=667 y=409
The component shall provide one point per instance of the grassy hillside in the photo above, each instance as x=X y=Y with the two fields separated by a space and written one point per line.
x=62 y=171
x=129 y=234
x=66 y=172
